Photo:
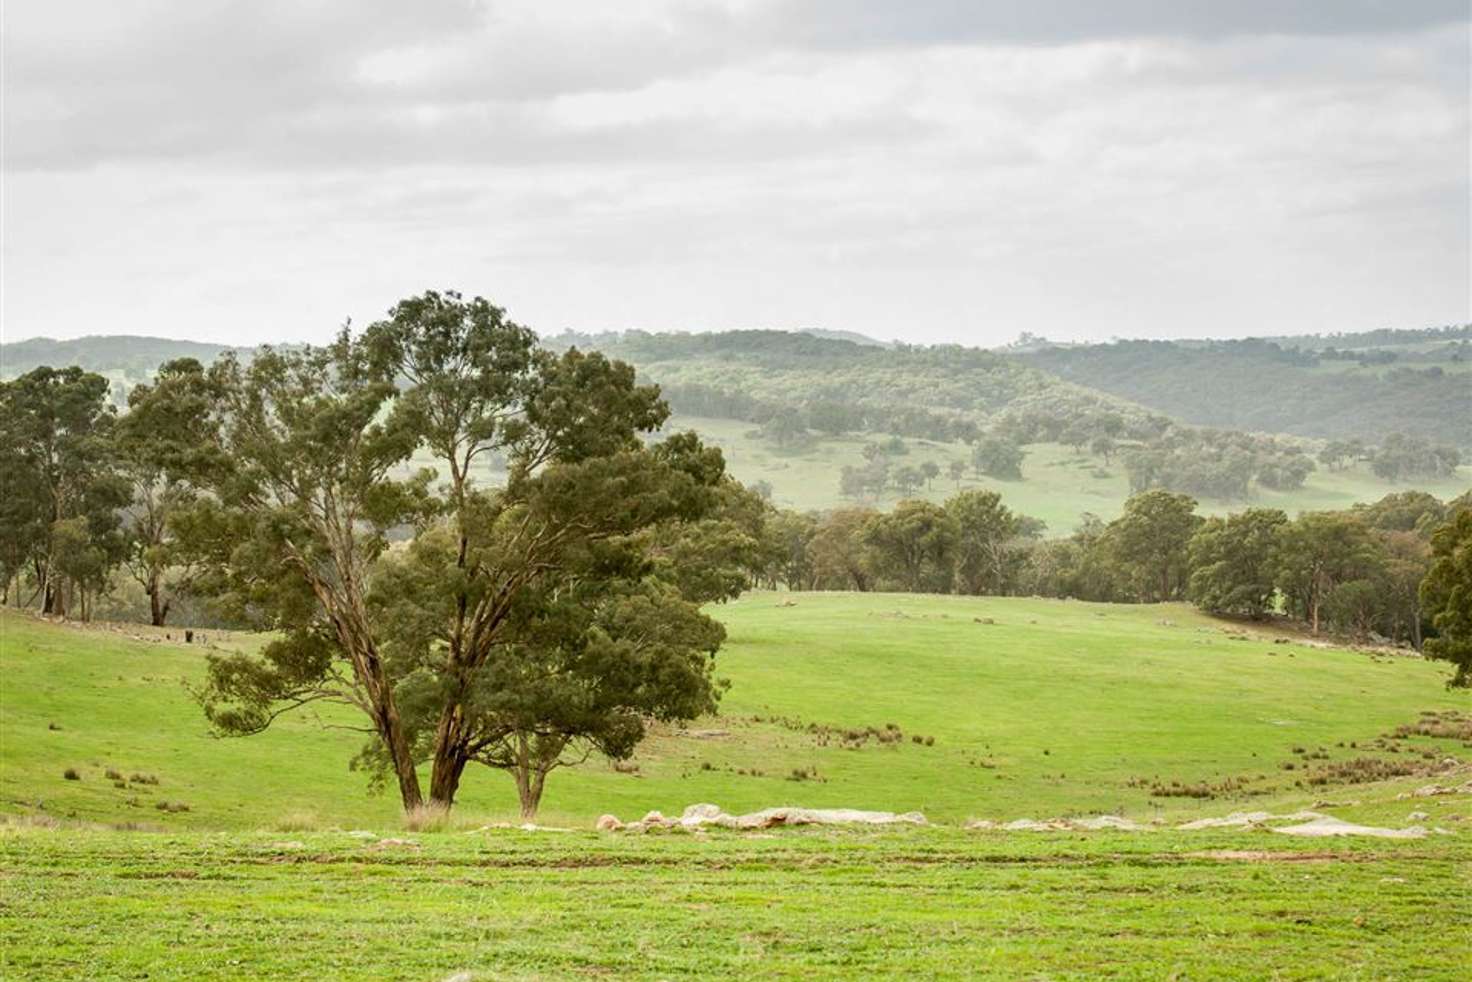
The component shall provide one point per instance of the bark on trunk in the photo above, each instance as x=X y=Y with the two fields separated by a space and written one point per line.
x=158 y=611
x=391 y=731
x=529 y=784
x=55 y=602
x=449 y=758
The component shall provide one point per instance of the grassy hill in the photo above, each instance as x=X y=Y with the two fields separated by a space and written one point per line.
x=1051 y=709
x=1056 y=707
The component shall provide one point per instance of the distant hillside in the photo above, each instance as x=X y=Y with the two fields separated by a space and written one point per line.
x=853 y=336
x=1332 y=386
x=1341 y=386
x=931 y=391
x=122 y=357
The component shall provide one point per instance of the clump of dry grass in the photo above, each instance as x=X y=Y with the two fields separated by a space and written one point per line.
x=1450 y=725
x=1361 y=770
x=31 y=820
x=299 y=821
x=428 y=818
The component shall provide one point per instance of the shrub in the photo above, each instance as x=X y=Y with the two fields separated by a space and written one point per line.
x=71 y=774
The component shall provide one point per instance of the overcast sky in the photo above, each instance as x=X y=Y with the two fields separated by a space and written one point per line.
x=933 y=170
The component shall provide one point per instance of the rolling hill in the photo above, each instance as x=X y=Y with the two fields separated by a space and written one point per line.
x=1007 y=708
x=282 y=866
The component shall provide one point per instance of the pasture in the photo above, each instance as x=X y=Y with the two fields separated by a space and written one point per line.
x=1006 y=708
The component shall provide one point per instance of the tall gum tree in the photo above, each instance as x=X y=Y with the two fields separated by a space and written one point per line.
x=292 y=531
x=316 y=438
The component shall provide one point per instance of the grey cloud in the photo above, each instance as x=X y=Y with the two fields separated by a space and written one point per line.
x=244 y=165
x=843 y=23
x=278 y=84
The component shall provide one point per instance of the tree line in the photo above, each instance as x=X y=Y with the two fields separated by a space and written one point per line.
x=1388 y=570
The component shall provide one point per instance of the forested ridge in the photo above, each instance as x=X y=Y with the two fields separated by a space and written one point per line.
x=121 y=356
x=1348 y=386
x=1369 y=385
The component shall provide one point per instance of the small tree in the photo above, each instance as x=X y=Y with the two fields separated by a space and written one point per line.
x=1446 y=594
x=1150 y=541
x=913 y=545
x=930 y=470
x=786 y=430
x=169 y=433
x=957 y=471
x=986 y=533
x=996 y=457
x=59 y=469
x=841 y=559
x=1316 y=552
x=907 y=479
x=591 y=668
x=1231 y=562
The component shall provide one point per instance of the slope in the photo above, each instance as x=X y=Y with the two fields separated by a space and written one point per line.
x=1004 y=708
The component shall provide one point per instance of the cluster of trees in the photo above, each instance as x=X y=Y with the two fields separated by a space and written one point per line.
x=972 y=544
x=1366 y=571
x=991 y=456
x=1399 y=457
x=520 y=627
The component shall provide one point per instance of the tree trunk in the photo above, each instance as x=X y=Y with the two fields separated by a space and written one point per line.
x=530 y=780
x=350 y=621
x=449 y=758
x=157 y=610
x=55 y=603
x=391 y=731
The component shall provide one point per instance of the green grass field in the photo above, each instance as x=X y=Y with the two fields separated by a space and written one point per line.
x=922 y=903
x=1051 y=709
x=1058 y=485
